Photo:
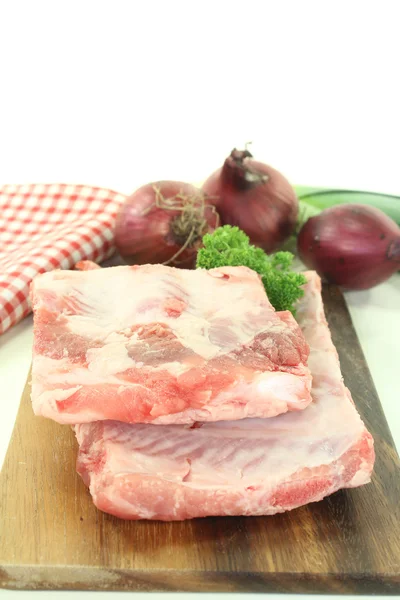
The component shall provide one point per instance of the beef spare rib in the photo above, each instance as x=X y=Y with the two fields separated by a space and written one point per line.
x=247 y=467
x=154 y=344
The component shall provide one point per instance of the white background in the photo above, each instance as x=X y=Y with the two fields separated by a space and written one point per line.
x=120 y=93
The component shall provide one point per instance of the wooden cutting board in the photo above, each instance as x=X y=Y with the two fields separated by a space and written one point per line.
x=52 y=536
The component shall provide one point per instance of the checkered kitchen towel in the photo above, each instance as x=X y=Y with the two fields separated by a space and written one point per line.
x=44 y=227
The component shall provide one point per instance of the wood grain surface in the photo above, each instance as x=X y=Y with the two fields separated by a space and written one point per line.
x=52 y=537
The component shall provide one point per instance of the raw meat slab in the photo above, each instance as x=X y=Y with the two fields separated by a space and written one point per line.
x=163 y=345
x=247 y=467
x=53 y=537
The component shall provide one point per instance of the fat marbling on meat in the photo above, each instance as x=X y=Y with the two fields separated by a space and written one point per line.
x=154 y=344
x=246 y=467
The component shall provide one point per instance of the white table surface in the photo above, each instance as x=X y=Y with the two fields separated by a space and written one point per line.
x=118 y=93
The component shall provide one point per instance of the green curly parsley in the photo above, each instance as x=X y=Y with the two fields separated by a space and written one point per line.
x=229 y=246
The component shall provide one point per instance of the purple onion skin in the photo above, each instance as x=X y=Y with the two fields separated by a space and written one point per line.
x=352 y=245
x=256 y=198
x=143 y=232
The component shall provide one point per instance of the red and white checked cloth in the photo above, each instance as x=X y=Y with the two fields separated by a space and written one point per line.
x=45 y=227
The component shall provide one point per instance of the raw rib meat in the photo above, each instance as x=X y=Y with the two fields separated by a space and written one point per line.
x=162 y=345
x=248 y=467
x=86 y=265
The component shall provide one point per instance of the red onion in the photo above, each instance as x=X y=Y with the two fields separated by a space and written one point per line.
x=164 y=222
x=256 y=198
x=353 y=245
